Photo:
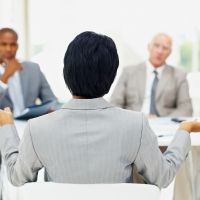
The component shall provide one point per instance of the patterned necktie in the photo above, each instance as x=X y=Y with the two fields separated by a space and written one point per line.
x=153 y=110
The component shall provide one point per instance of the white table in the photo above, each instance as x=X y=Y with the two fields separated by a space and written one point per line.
x=188 y=177
x=20 y=125
x=164 y=128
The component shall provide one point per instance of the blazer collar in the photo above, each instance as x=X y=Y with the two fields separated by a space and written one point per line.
x=141 y=79
x=87 y=104
x=24 y=80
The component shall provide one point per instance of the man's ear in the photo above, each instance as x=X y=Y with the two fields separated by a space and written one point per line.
x=1 y=59
x=170 y=51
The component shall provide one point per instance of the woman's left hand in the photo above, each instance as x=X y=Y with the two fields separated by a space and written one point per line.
x=6 y=117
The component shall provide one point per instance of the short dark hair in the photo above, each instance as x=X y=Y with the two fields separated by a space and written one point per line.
x=90 y=65
x=8 y=30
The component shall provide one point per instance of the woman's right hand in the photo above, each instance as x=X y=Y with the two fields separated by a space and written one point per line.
x=190 y=126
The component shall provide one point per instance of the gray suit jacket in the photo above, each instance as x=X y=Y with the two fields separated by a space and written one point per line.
x=34 y=85
x=90 y=141
x=172 y=97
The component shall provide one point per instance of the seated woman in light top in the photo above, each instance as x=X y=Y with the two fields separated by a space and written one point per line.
x=89 y=140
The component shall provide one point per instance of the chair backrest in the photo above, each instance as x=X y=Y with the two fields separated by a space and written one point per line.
x=57 y=191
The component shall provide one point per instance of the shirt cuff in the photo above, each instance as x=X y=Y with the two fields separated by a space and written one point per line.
x=3 y=85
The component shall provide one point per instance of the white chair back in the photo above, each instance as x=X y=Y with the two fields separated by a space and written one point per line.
x=57 y=191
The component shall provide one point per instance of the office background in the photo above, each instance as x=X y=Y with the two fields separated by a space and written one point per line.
x=46 y=27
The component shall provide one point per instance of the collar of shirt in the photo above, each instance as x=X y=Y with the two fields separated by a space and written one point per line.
x=14 y=91
x=151 y=68
x=2 y=68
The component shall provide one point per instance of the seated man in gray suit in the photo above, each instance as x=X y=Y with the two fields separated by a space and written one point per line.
x=20 y=83
x=154 y=87
x=89 y=140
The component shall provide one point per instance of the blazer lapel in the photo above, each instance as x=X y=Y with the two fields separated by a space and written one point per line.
x=23 y=82
x=141 y=81
x=166 y=74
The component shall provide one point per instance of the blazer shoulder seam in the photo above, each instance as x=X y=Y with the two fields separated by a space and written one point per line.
x=141 y=134
x=33 y=144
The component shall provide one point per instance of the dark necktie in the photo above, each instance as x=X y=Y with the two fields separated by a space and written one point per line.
x=153 y=110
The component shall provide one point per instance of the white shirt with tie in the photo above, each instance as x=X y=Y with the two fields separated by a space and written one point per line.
x=149 y=82
x=14 y=91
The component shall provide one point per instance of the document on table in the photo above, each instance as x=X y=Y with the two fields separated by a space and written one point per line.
x=37 y=110
x=163 y=127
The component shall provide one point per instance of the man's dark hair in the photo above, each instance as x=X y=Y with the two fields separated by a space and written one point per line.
x=8 y=30
x=90 y=65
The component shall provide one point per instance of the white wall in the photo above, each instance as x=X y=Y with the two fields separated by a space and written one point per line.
x=13 y=14
x=131 y=23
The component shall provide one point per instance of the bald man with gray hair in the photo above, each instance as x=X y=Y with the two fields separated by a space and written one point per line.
x=154 y=87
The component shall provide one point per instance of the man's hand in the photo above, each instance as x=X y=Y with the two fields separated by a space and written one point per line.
x=11 y=67
x=193 y=126
x=1 y=58
x=6 y=117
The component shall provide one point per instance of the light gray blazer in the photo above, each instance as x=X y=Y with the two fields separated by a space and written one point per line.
x=172 y=96
x=90 y=141
x=34 y=85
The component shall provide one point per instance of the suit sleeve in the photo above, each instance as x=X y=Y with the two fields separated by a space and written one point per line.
x=3 y=88
x=21 y=160
x=183 y=101
x=45 y=93
x=118 y=96
x=157 y=168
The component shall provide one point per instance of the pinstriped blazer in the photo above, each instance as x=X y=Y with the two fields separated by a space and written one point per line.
x=90 y=141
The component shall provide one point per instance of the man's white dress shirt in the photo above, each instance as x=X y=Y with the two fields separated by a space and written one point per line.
x=14 y=91
x=149 y=82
